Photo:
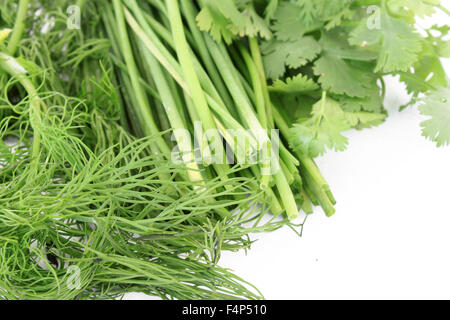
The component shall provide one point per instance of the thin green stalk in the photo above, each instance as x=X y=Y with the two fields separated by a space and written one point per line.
x=165 y=58
x=320 y=195
x=185 y=58
x=196 y=119
x=260 y=109
x=14 y=69
x=234 y=86
x=315 y=180
x=153 y=44
x=151 y=41
x=290 y=160
x=306 y=205
x=307 y=162
x=238 y=93
x=257 y=58
x=144 y=110
x=81 y=3
x=257 y=86
x=274 y=205
x=287 y=173
x=173 y=115
x=190 y=14
x=19 y=27
x=171 y=65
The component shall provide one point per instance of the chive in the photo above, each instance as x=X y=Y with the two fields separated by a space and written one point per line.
x=175 y=118
x=149 y=125
x=193 y=82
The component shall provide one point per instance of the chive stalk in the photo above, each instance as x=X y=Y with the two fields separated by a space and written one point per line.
x=193 y=83
x=144 y=110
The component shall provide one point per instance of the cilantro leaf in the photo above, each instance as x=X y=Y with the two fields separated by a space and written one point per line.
x=292 y=22
x=427 y=73
x=323 y=130
x=335 y=43
x=421 y=8
x=216 y=24
x=373 y=103
x=399 y=44
x=337 y=19
x=271 y=9
x=327 y=10
x=294 y=106
x=255 y=25
x=340 y=77
x=307 y=10
x=313 y=11
x=278 y=54
x=440 y=42
x=437 y=105
x=363 y=120
x=229 y=18
x=297 y=84
x=343 y=69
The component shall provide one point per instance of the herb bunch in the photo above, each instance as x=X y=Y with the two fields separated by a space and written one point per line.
x=309 y=69
x=95 y=114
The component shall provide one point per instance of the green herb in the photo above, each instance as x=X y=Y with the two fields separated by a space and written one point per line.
x=90 y=120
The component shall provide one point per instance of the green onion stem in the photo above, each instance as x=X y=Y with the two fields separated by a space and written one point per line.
x=238 y=92
x=173 y=115
x=257 y=58
x=185 y=59
x=143 y=106
x=190 y=14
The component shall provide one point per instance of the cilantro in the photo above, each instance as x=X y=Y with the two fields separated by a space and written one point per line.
x=214 y=23
x=253 y=24
x=362 y=120
x=271 y=9
x=372 y=103
x=306 y=10
x=311 y=11
x=437 y=105
x=295 y=106
x=395 y=39
x=421 y=8
x=293 y=54
x=227 y=19
x=339 y=76
x=440 y=42
x=312 y=136
x=297 y=84
x=428 y=72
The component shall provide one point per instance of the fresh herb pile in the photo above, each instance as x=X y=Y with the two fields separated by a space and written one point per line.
x=90 y=119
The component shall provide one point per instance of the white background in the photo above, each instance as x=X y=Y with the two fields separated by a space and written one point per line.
x=390 y=237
